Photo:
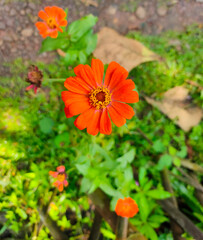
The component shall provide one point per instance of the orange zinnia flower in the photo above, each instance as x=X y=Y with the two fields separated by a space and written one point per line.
x=54 y=18
x=95 y=99
x=126 y=207
x=61 y=177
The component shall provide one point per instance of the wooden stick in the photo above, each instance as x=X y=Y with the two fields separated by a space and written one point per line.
x=122 y=228
x=95 y=231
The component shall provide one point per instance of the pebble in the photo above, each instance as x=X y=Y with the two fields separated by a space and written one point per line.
x=111 y=10
x=22 y=12
x=12 y=12
x=1 y=42
x=27 y=32
x=141 y=12
x=32 y=5
x=161 y=11
x=2 y=26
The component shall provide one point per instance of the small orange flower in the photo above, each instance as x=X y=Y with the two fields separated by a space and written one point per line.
x=61 y=177
x=126 y=207
x=54 y=18
x=95 y=99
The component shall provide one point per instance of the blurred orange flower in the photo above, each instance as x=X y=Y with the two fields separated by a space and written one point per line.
x=95 y=99
x=54 y=18
x=126 y=207
x=61 y=177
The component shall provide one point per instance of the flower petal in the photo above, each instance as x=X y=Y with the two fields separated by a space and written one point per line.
x=76 y=108
x=94 y=124
x=127 y=84
x=114 y=74
x=82 y=121
x=65 y=183
x=77 y=85
x=61 y=169
x=124 y=109
x=53 y=174
x=85 y=72
x=117 y=119
x=105 y=123
x=68 y=115
x=124 y=95
x=119 y=76
x=71 y=97
x=53 y=34
x=43 y=15
x=60 y=187
x=98 y=70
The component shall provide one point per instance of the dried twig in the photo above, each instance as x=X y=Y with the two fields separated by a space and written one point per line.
x=95 y=231
x=181 y=219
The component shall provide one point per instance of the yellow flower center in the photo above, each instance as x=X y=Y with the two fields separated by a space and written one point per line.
x=61 y=177
x=51 y=22
x=100 y=97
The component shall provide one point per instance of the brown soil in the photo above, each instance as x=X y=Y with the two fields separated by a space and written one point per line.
x=19 y=36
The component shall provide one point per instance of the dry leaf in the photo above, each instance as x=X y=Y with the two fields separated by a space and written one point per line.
x=175 y=106
x=90 y=3
x=127 y=52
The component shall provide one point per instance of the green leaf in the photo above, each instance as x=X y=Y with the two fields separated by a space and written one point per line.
x=82 y=58
x=21 y=213
x=107 y=234
x=172 y=151
x=158 y=194
x=158 y=146
x=142 y=176
x=108 y=189
x=62 y=140
x=177 y=162
x=50 y=44
x=183 y=152
x=78 y=28
x=158 y=219
x=164 y=161
x=143 y=205
x=149 y=232
x=46 y=125
x=127 y=158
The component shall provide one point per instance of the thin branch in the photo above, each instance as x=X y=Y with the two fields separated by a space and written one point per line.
x=176 y=229
x=122 y=228
x=181 y=219
x=55 y=231
x=95 y=231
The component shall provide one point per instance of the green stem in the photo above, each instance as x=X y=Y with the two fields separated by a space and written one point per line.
x=54 y=80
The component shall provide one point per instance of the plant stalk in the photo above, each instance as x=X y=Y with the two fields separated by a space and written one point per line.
x=122 y=228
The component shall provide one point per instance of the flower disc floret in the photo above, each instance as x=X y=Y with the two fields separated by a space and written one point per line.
x=100 y=97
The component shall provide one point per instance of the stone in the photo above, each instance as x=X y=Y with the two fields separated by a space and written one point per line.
x=1 y=42
x=12 y=12
x=22 y=12
x=141 y=12
x=32 y=5
x=111 y=10
x=161 y=11
x=27 y=32
x=2 y=26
